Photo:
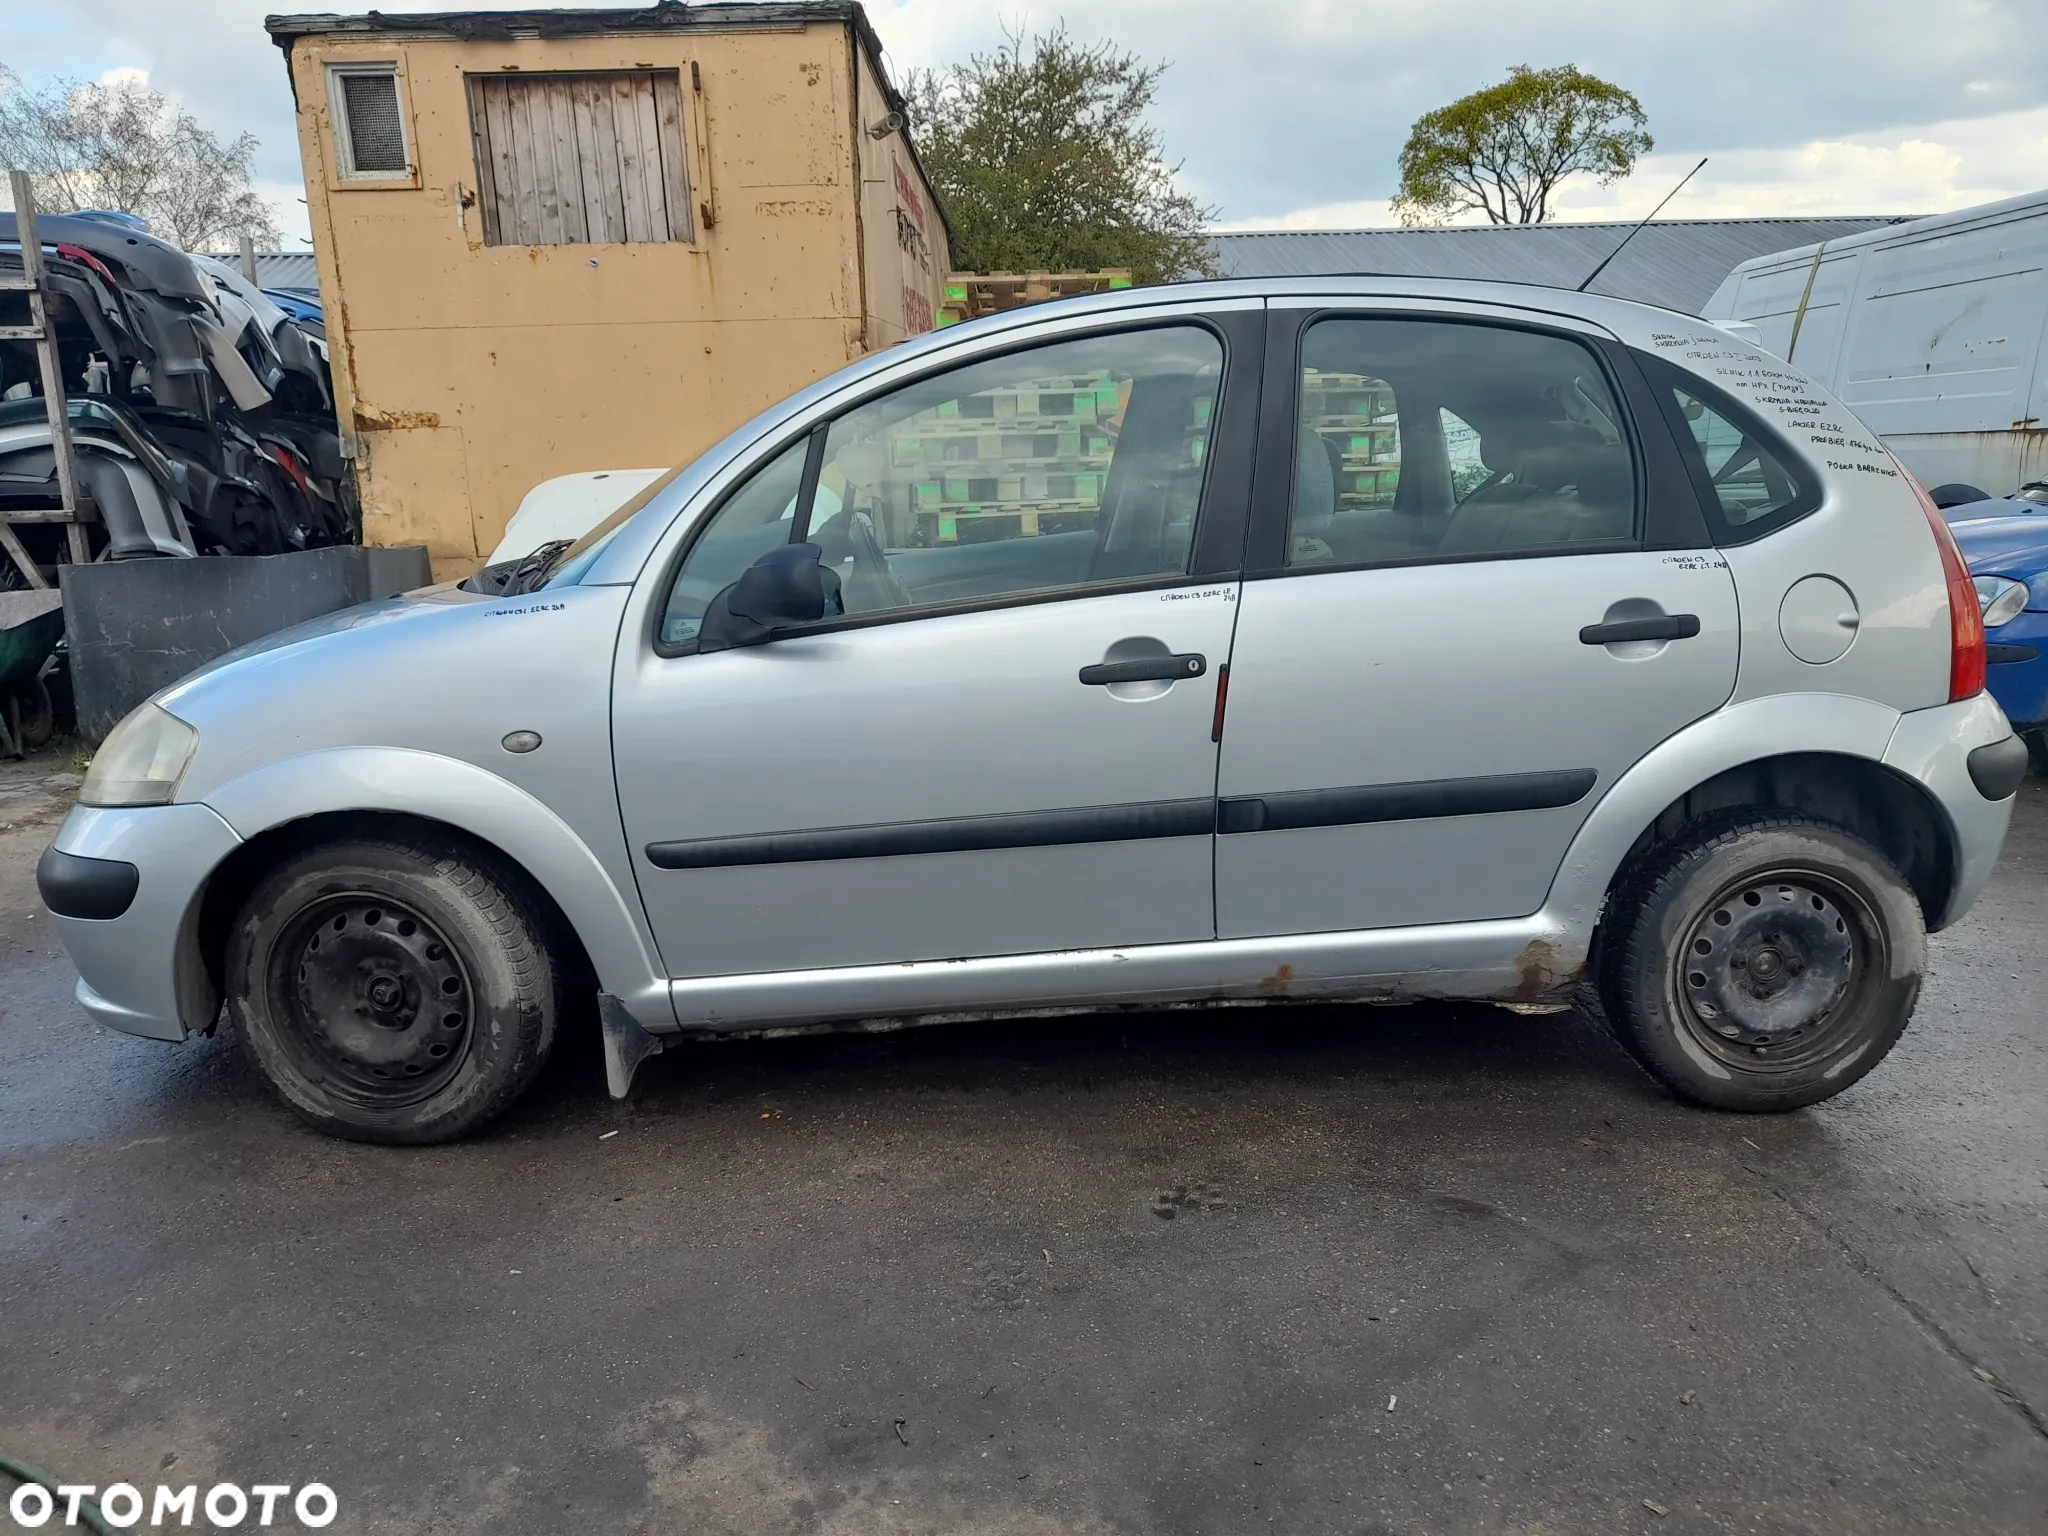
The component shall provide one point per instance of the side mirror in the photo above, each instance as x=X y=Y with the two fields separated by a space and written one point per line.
x=784 y=588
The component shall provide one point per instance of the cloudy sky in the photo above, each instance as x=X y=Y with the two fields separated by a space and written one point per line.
x=1291 y=112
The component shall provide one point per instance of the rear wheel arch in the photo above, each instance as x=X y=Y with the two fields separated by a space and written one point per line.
x=1894 y=814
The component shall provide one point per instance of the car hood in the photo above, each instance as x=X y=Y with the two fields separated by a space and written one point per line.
x=2015 y=546
x=411 y=607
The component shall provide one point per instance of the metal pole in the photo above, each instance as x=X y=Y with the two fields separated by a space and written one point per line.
x=249 y=259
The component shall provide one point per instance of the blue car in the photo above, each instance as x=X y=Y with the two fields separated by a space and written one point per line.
x=2005 y=543
x=301 y=305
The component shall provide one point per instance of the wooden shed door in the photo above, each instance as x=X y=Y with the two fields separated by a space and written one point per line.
x=580 y=159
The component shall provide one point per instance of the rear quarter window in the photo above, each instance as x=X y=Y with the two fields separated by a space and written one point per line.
x=1749 y=480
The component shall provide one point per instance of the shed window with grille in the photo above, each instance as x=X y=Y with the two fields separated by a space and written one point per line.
x=580 y=159
x=369 y=123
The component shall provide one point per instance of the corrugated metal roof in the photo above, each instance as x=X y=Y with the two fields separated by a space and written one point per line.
x=277 y=269
x=1675 y=263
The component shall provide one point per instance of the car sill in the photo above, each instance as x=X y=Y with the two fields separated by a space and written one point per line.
x=1517 y=959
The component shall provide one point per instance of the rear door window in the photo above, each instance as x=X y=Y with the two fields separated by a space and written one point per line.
x=1461 y=448
x=1422 y=439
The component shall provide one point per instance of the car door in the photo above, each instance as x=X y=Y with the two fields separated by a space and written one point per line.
x=1478 y=589
x=1003 y=742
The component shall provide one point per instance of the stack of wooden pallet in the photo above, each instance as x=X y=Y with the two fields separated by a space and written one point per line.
x=1356 y=414
x=1032 y=456
x=971 y=294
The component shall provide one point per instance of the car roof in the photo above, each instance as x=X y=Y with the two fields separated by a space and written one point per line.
x=1594 y=307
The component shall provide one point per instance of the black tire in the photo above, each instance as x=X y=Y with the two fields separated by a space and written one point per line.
x=2037 y=749
x=1956 y=493
x=1762 y=963
x=35 y=715
x=397 y=991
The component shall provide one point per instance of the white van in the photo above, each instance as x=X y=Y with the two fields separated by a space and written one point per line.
x=1932 y=332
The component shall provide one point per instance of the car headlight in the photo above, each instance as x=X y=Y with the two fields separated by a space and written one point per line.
x=2000 y=599
x=141 y=761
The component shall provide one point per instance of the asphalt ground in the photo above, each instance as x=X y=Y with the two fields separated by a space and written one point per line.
x=1428 y=1269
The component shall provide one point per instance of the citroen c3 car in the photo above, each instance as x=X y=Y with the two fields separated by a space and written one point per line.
x=1333 y=639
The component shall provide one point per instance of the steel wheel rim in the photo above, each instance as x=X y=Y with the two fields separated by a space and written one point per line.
x=371 y=999
x=1774 y=973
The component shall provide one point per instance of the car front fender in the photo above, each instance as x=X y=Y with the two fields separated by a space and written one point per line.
x=599 y=902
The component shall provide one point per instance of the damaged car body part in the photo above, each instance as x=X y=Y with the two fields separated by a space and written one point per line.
x=955 y=750
x=201 y=413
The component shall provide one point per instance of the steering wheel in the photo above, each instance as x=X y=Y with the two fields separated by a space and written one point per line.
x=871 y=564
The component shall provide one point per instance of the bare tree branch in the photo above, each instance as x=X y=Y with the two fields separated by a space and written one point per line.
x=130 y=149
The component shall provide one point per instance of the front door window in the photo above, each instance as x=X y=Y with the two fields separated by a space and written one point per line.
x=1068 y=466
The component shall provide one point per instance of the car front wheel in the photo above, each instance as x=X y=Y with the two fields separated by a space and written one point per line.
x=1762 y=963
x=392 y=990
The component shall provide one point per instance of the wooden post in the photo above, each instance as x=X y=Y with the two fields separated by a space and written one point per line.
x=53 y=378
x=12 y=546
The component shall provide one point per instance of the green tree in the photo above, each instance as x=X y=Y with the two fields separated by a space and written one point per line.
x=129 y=148
x=1042 y=157
x=1503 y=150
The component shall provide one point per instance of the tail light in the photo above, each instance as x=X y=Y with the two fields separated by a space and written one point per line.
x=1965 y=618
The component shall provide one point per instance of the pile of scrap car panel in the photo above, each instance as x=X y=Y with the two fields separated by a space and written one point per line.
x=202 y=415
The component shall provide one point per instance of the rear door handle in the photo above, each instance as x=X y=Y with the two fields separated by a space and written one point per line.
x=1670 y=626
x=1146 y=669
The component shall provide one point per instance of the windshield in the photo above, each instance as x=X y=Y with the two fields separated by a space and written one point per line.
x=567 y=568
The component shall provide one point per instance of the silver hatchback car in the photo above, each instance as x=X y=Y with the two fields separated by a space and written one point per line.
x=1323 y=639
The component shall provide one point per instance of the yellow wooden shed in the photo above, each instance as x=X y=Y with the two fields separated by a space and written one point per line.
x=562 y=240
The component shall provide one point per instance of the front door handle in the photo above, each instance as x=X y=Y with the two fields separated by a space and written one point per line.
x=1669 y=626
x=1146 y=669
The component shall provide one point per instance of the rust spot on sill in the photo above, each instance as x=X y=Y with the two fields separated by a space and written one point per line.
x=1536 y=966
x=1277 y=984
x=370 y=419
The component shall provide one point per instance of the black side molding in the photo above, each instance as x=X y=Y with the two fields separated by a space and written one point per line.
x=1129 y=823
x=98 y=890
x=1994 y=654
x=960 y=834
x=1996 y=770
x=1405 y=802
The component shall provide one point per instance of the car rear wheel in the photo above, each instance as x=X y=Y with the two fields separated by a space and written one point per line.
x=393 y=991
x=1762 y=963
